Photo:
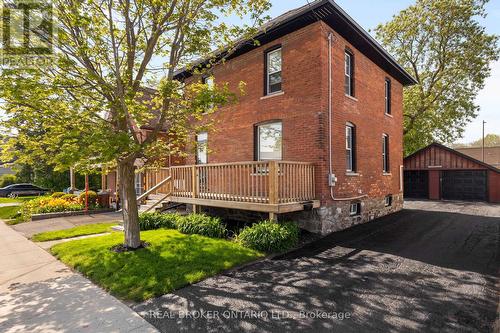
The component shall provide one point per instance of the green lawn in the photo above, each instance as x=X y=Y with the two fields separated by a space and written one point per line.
x=9 y=212
x=172 y=261
x=16 y=200
x=82 y=230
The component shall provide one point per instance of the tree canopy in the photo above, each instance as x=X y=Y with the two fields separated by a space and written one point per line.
x=88 y=106
x=447 y=50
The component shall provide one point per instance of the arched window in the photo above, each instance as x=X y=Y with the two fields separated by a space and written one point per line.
x=269 y=141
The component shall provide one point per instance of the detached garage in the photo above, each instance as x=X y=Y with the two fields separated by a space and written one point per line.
x=437 y=172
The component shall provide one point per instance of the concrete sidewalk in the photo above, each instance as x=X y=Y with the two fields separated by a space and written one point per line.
x=28 y=229
x=40 y=294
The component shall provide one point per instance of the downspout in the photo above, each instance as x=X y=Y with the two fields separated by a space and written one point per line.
x=331 y=176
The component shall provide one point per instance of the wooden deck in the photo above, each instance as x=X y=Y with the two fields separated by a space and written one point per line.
x=274 y=187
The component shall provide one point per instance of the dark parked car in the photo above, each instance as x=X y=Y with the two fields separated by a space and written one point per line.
x=17 y=190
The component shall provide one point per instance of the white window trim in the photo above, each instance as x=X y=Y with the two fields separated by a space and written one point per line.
x=205 y=148
x=269 y=73
x=210 y=82
x=138 y=184
x=385 y=166
x=354 y=212
x=387 y=84
x=259 y=158
x=347 y=71
x=347 y=128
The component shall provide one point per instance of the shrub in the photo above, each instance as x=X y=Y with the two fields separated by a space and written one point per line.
x=92 y=198
x=7 y=180
x=271 y=237
x=153 y=221
x=70 y=197
x=47 y=204
x=58 y=194
x=202 y=225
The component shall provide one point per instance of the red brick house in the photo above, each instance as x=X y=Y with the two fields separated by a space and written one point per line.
x=317 y=138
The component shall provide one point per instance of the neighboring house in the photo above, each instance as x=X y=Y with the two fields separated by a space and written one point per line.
x=320 y=92
x=437 y=172
x=491 y=154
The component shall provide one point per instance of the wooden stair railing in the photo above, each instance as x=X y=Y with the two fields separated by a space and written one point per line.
x=154 y=188
x=157 y=203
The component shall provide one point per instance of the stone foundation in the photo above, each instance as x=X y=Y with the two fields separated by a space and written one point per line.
x=336 y=217
x=237 y=215
x=324 y=220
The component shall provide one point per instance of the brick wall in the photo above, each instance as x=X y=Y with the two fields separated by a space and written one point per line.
x=303 y=109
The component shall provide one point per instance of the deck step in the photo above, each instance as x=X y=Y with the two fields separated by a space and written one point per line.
x=156 y=197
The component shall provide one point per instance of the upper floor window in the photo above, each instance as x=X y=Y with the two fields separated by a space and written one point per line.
x=349 y=74
x=385 y=152
x=208 y=80
x=202 y=148
x=387 y=96
x=350 y=148
x=269 y=140
x=273 y=71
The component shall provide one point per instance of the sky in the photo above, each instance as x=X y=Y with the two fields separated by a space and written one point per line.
x=369 y=16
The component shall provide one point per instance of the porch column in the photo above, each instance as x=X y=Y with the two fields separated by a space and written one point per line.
x=194 y=180
x=72 y=180
x=273 y=188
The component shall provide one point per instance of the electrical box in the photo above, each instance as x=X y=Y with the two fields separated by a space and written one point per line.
x=332 y=179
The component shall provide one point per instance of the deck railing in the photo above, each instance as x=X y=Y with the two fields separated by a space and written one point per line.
x=266 y=182
x=154 y=177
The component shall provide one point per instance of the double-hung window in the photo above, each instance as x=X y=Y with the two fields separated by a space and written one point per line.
x=385 y=153
x=387 y=96
x=350 y=147
x=202 y=148
x=273 y=78
x=269 y=139
x=349 y=73
x=138 y=184
x=210 y=82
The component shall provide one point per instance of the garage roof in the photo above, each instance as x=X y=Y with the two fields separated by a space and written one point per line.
x=427 y=156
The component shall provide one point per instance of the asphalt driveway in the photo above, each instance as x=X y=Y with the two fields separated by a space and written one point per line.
x=417 y=270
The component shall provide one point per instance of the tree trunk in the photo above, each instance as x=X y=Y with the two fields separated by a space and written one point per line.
x=129 y=204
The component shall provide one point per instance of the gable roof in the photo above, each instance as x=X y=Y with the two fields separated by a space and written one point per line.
x=331 y=13
x=453 y=151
